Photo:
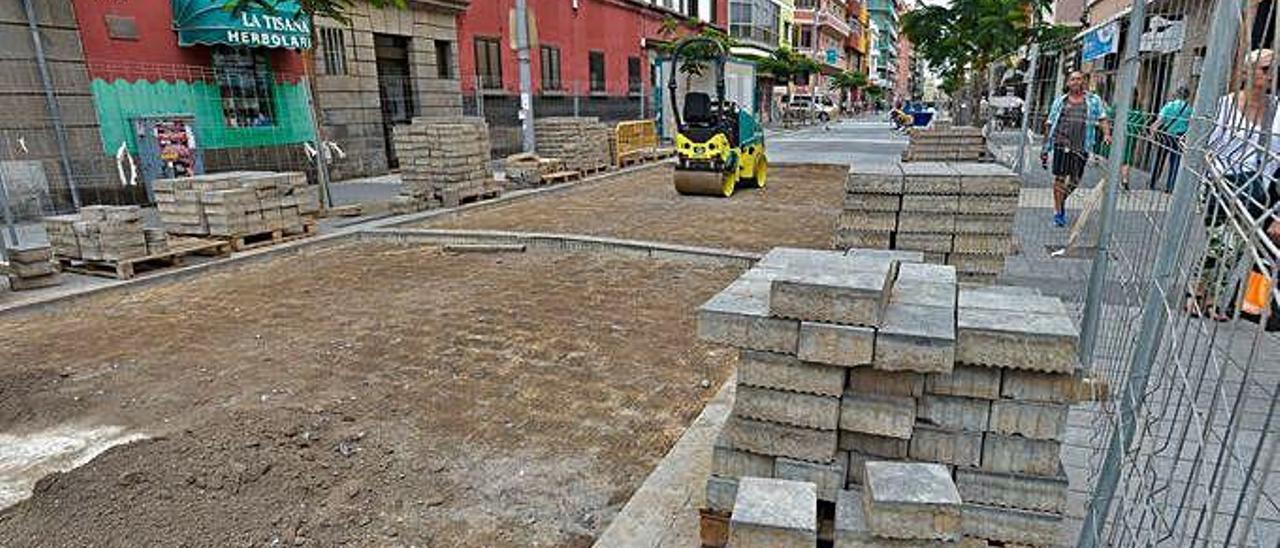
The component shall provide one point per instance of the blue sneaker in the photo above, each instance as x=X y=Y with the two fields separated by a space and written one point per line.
x=1060 y=219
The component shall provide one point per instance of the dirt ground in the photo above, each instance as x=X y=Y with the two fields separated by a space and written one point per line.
x=798 y=208
x=364 y=394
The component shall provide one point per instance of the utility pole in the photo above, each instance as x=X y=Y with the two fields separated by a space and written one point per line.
x=526 y=74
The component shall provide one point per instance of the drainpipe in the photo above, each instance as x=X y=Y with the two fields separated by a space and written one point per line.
x=51 y=101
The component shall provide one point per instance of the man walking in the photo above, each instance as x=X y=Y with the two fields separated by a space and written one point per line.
x=1074 y=121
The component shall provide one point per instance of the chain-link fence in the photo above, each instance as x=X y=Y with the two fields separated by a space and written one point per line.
x=1169 y=254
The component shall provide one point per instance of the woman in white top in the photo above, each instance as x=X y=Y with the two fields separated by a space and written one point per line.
x=1244 y=149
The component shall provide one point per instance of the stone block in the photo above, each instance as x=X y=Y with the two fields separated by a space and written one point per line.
x=988 y=205
x=865 y=201
x=865 y=380
x=867 y=221
x=916 y=338
x=1010 y=525
x=833 y=290
x=870 y=444
x=1019 y=455
x=827 y=478
x=881 y=178
x=911 y=501
x=929 y=178
x=977 y=263
x=926 y=292
x=845 y=239
x=768 y=438
x=721 y=492
x=1044 y=387
x=966 y=380
x=37 y=282
x=833 y=344
x=930 y=242
x=979 y=178
x=726 y=461
x=914 y=221
x=1011 y=298
x=774 y=513
x=783 y=372
x=965 y=223
x=1036 y=420
x=1016 y=340
x=873 y=256
x=45 y=268
x=954 y=412
x=955 y=447
x=30 y=254
x=983 y=244
x=851 y=529
x=931 y=203
x=890 y=416
x=1039 y=493
x=739 y=316
x=927 y=273
x=793 y=408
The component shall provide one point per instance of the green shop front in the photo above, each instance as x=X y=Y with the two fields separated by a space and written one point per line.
x=188 y=86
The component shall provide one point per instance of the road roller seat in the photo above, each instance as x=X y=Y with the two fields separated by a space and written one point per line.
x=697 y=109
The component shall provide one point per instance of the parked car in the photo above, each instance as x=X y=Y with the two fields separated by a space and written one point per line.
x=820 y=107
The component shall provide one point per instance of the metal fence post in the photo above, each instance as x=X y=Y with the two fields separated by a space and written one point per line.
x=8 y=217
x=1094 y=297
x=1217 y=64
x=51 y=102
x=322 y=148
x=1024 y=137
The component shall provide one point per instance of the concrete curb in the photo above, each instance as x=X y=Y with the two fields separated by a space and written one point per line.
x=522 y=195
x=664 y=510
x=564 y=242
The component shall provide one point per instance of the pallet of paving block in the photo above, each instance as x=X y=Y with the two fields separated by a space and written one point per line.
x=245 y=242
x=635 y=157
x=561 y=177
x=124 y=269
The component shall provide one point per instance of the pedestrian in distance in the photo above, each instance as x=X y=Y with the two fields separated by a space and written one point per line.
x=1168 y=132
x=1075 y=120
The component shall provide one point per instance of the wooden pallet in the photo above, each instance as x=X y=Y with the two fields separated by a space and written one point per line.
x=561 y=177
x=124 y=269
x=245 y=242
x=635 y=157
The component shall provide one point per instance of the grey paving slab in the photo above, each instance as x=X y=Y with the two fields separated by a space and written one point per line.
x=1012 y=525
x=773 y=512
x=1016 y=340
x=769 y=438
x=944 y=445
x=890 y=416
x=833 y=288
x=838 y=345
x=739 y=316
x=783 y=372
x=930 y=178
x=966 y=380
x=792 y=408
x=826 y=478
x=1019 y=455
x=871 y=444
x=726 y=461
x=955 y=412
x=1039 y=493
x=851 y=530
x=866 y=380
x=1036 y=420
x=916 y=338
x=911 y=501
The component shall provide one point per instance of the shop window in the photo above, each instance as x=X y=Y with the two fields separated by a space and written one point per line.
x=245 y=83
x=595 y=66
x=635 y=83
x=488 y=63
x=550 y=61
x=444 y=59
x=334 y=45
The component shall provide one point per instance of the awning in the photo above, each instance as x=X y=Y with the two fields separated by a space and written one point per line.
x=206 y=22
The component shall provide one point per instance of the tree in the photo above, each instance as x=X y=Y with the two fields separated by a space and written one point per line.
x=848 y=82
x=969 y=35
x=785 y=65
x=695 y=56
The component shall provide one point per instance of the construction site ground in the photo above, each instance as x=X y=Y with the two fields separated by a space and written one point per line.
x=797 y=208
x=360 y=393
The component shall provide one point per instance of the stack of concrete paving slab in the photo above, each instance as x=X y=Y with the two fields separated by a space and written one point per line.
x=582 y=143
x=870 y=355
x=527 y=170
x=98 y=233
x=444 y=161
x=955 y=213
x=31 y=267
x=235 y=203
x=952 y=143
x=902 y=505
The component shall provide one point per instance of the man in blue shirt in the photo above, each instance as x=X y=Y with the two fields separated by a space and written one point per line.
x=1071 y=132
x=1167 y=132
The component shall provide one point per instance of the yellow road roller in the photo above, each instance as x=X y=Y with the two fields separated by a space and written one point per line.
x=719 y=143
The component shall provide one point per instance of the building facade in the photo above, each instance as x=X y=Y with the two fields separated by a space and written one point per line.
x=589 y=57
x=38 y=171
x=884 y=13
x=380 y=69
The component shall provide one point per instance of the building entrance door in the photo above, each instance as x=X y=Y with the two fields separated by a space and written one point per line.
x=395 y=90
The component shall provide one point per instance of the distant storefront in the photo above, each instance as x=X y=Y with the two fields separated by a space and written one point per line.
x=186 y=85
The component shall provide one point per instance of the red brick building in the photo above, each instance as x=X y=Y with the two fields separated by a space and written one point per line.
x=591 y=57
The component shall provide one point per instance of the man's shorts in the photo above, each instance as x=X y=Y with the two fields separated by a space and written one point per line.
x=1069 y=165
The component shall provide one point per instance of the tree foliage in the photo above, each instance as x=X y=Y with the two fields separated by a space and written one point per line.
x=338 y=10
x=785 y=65
x=695 y=57
x=849 y=80
x=971 y=34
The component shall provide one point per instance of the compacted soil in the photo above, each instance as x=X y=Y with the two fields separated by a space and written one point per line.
x=798 y=208
x=371 y=394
